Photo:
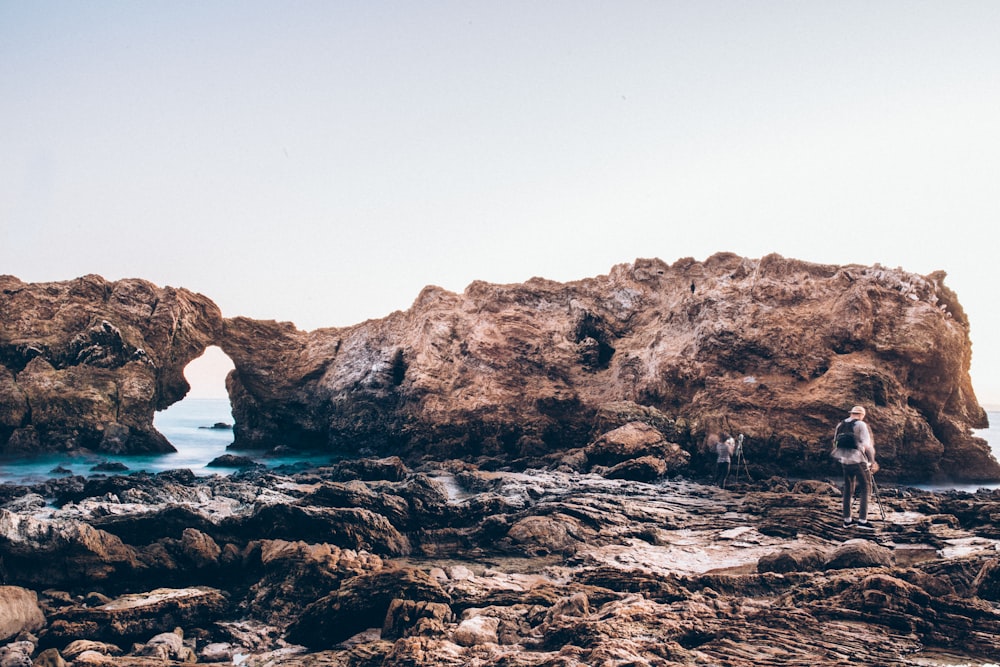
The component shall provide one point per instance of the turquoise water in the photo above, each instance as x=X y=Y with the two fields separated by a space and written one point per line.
x=186 y=424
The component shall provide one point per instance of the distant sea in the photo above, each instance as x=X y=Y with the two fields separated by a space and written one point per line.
x=187 y=425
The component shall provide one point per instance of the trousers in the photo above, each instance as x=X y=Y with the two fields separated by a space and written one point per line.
x=856 y=477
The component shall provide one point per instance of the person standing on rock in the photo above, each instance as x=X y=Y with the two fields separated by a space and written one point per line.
x=854 y=447
x=724 y=454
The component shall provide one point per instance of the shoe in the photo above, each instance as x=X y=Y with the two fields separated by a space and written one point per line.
x=847 y=523
x=865 y=525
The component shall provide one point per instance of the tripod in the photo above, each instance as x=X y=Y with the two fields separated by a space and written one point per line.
x=875 y=493
x=741 y=460
x=873 y=489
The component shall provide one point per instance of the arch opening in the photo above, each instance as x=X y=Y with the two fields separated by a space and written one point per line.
x=201 y=423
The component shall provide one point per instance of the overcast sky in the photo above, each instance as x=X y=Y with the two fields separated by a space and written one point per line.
x=321 y=162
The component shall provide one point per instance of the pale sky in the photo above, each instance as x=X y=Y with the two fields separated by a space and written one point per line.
x=321 y=162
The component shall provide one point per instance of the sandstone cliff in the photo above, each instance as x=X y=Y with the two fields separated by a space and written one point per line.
x=774 y=348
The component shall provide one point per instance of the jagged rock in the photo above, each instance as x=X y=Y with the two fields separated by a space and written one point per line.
x=987 y=582
x=774 y=348
x=137 y=616
x=218 y=652
x=42 y=552
x=94 y=360
x=362 y=602
x=296 y=574
x=200 y=549
x=630 y=441
x=19 y=612
x=477 y=630
x=675 y=572
x=167 y=646
x=406 y=618
x=642 y=469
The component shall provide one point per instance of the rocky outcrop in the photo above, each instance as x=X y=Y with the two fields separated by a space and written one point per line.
x=537 y=567
x=85 y=364
x=777 y=349
x=525 y=374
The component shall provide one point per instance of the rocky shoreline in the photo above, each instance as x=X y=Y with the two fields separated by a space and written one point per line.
x=371 y=562
x=776 y=348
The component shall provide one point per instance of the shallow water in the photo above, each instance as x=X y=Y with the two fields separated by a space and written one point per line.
x=187 y=425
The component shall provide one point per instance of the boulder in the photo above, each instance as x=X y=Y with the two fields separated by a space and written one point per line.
x=859 y=553
x=360 y=603
x=19 y=612
x=135 y=617
x=46 y=553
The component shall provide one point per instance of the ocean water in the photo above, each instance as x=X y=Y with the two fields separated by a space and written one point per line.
x=187 y=425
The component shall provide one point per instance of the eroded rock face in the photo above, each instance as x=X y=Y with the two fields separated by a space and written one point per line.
x=522 y=374
x=777 y=349
x=85 y=363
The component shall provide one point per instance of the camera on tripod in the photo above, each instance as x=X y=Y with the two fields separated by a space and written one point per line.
x=741 y=461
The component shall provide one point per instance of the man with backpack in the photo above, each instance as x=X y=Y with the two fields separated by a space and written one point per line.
x=854 y=448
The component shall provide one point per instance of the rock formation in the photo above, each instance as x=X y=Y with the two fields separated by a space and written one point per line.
x=454 y=565
x=525 y=374
x=774 y=348
x=85 y=364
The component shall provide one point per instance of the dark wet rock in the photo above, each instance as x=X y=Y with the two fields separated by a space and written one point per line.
x=42 y=553
x=232 y=461
x=390 y=468
x=110 y=466
x=348 y=527
x=987 y=582
x=218 y=426
x=295 y=574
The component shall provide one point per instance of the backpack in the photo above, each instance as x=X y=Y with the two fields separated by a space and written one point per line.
x=844 y=437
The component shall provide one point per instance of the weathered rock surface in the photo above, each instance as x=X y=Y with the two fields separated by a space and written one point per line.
x=19 y=612
x=774 y=348
x=522 y=374
x=538 y=567
x=84 y=364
